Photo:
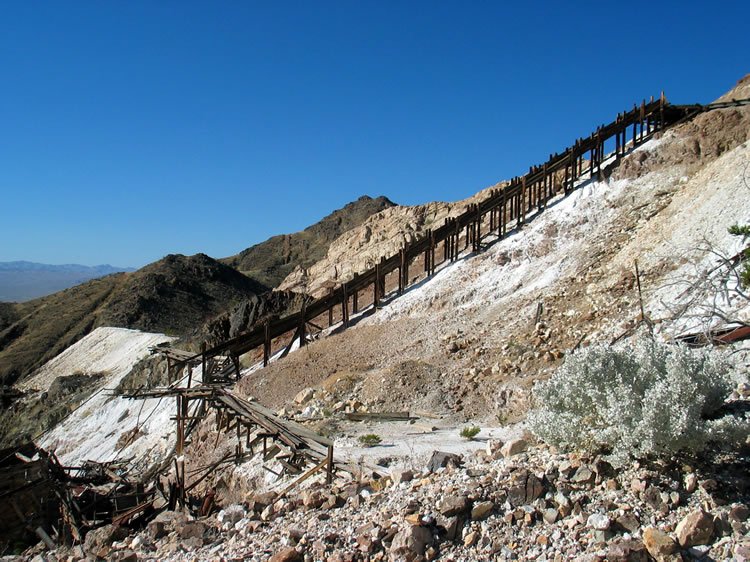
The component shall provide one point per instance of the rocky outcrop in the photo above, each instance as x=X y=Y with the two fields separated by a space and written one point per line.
x=381 y=235
x=271 y=261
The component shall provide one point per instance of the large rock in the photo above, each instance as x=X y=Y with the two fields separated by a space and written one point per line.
x=440 y=459
x=98 y=542
x=451 y=526
x=658 y=544
x=410 y=541
x=525 y=489
x=402 y=475
x=696 y=528
x=482 y=510
x=286 y=555
x=231 y=514
x=193 y=529
x=304 y=396
x=494 y=448
x=454 y=505
x=598 y=521
x=514 y=447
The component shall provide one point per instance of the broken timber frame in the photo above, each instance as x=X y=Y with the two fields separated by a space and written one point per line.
x=246 y=417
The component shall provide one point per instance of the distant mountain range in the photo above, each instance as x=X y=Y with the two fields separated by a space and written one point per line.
x=22 y=280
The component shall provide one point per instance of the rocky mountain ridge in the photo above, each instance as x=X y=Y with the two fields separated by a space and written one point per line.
x=271 y=261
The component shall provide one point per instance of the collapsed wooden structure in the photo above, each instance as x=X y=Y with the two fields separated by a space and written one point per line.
x=41 y=499
x=288 y=443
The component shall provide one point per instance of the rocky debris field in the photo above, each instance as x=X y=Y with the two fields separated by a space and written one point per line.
x=507 y=501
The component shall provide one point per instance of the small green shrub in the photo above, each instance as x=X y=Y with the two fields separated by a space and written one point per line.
x=744 y=231
x=638 y=401
x=469 y=433
x=370 y=439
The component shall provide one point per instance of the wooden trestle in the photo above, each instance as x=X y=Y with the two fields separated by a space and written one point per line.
x=292 y=446
x=504 y=207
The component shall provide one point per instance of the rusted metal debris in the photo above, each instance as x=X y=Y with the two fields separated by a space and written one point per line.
x=717 y=336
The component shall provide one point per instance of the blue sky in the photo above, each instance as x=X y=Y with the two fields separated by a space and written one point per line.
x=134 y=129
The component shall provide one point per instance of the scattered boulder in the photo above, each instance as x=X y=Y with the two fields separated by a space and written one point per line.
x=598 y=521
x=304 y=396
x=441 y=459
x=411 y=540
x=482 y=510
x=695 y=529
x=514 y=447
x=454 y=505
x=286 y=555
x=658 y=544
x=494 y=448
x=398 y=476
x=525 y=489
x=739 y=512
x=98 y=542
x=231 y=514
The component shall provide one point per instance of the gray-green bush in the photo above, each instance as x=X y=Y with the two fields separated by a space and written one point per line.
x=646 y=399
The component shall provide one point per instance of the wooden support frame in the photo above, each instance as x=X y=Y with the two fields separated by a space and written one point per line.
x=519 y=197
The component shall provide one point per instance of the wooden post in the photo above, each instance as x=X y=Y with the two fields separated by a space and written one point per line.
x=662 y=101
x=205 y=377
x=432 y=253
x=428 y=254
x=239 y=441
x=267 y=343
x=382 y=278
x=401 y=267
x=522 y=207
x=345 y=307
x=236 y=361
x=302 y=328
x=329 y=460
x=376 y=287
x=478 y=236
x=617 y=139
x=330 y=310
x=406 y=269
x=355 y=296
x=180 y=427
x=503 y=211
x=456 y=236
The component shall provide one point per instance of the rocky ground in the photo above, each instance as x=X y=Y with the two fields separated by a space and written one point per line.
x=506 y=501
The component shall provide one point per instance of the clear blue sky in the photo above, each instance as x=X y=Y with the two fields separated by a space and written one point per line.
x=134 y=129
